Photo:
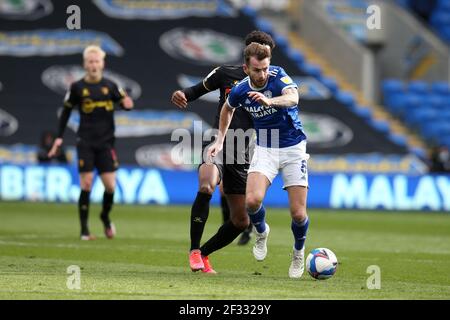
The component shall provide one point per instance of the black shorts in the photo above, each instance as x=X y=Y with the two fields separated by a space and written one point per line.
x=233 y=176
x=102 y=157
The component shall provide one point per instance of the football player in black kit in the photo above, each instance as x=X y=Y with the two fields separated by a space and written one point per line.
x=232 y=174
x=94 y=96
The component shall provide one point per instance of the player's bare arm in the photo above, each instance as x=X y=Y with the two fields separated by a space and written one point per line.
x=289 y=98
x=56 y=145
x=226 y=114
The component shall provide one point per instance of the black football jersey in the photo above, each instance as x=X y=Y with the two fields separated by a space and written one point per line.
x=225 y=78
x=95 y=102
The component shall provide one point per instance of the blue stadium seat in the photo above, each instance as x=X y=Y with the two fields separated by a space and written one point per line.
x=443 y=5
x=434 y=130
x=392 y=85
x=440 y=87
x=380 y=125
x=435 y=100
x=249 y=11
x=422 y=114
x=264 y=25
x=439 y=18
x=395 y=102
x=281 y=42
x=398 y=139
x=418 y=87
x=331 y=84
x=296 y=56
x=363 y=112
x=313 y=70
x=346 y=98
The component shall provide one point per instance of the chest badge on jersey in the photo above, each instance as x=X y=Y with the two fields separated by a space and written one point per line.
x=85 y=92
x=105 y=90
x=268 y=94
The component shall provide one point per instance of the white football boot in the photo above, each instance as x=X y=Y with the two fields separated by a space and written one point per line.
x=260 y=247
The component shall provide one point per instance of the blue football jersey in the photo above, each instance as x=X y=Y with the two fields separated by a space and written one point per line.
x=269 y=119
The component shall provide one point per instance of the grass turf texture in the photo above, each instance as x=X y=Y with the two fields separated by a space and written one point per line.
x=148 y=259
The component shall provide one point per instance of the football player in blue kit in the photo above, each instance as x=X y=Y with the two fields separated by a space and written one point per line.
x=270 y=96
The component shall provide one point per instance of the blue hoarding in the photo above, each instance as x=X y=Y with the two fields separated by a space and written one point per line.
x=137 y=185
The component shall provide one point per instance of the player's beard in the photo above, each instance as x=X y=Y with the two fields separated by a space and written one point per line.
x=259 y=83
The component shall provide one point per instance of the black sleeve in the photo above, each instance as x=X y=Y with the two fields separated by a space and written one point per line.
x=210 y=83
x=195 y=92
x=72 y=97
x=65 y=115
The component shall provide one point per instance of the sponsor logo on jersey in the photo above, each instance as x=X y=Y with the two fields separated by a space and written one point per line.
x=163 y=9
x=59 y=78
x=260 y=111
x=201 y=46
x=8 y=124
x=324 y=131
x=141 y=123
x=54 y=42
x=311 y=89
x=25 y=9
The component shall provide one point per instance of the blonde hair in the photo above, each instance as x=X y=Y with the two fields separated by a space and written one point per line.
x=94 y=48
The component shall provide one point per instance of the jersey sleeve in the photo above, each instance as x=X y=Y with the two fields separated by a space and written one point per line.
x=117 y=93
x=72 y=97
x=213 y=80
x=284 y=81
x=234 y=97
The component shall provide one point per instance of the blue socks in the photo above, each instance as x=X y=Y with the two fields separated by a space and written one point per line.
x=299 y=230
x=258 y=219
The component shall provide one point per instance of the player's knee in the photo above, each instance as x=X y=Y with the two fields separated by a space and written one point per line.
x=299 y=215
x=253 y=202
x=86 y=185
x=110 y=189
x=206 y=188
x=241 y=222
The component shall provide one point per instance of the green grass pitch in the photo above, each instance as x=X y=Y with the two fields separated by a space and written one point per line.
x=148 y=259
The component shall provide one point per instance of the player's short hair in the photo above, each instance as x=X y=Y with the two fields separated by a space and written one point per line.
x=93 y=48
x=256 y=50
x=260 y=37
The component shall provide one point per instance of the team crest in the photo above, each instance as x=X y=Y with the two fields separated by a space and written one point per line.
x=105 y=90
x=268 y=94
x=85 y=93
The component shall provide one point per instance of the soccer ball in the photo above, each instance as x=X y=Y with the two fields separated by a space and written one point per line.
x=321 y=263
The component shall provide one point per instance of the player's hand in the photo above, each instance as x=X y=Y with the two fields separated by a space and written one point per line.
x=259 y=97
x=214 y=150
x=127 y=103
x=179 y=99
x=56 y=144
